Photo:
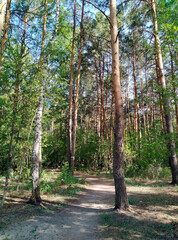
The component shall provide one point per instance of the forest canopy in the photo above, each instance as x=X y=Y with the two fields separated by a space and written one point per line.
x=66 y=98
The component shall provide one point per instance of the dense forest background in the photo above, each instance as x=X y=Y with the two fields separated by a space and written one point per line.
x=35 y=80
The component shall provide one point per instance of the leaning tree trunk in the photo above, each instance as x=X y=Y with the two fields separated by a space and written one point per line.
x=77 y=92
x=121 y=200
x=36 y=152
x=169 y=125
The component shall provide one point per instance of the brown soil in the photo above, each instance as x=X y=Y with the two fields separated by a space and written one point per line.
x=90 y=215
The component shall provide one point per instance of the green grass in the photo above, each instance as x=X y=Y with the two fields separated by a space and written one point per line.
x=71 y=191
x=132 y=182
x=126 y=227
x=132 y=201
x=55 y=187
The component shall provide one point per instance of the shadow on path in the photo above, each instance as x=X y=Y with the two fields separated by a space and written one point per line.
x=77 y=220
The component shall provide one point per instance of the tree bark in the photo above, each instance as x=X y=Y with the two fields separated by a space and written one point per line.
x=36 y=152
x=2 y=14
x=71 y=92
x=98 y=103
x=77 y=92
x=111 y=126
x=5 y=32
x=101 y=99
x=142 y=105
x=126 y=107
x=121 y=200
x=137 y=122
x=105 y=104
x=146 y=80
x=169 y=125
x=174 y=88
x=135 y=89
x=152 y=105
x=160 y=98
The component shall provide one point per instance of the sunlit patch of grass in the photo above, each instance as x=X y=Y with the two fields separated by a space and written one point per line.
x=152 y=216
x=120 y=226
x=141 y=183
x=56 y=189
x=131 y=182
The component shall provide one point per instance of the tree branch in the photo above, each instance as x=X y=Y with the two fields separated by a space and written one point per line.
x=152 y=33
x=100 y=11
x=149 y=3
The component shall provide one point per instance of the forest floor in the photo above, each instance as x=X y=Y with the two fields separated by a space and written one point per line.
x=89 y=214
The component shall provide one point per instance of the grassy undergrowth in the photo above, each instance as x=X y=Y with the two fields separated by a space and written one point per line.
x=153 y=212
x=144 y=174
x=56 y=189
x=119 y=226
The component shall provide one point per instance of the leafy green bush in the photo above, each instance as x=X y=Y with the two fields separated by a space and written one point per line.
x=147 y=157
x=54 y=150
x=46 y=187
x=66 y=175
x=67 y=178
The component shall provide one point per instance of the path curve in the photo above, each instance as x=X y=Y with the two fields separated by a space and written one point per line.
x=78 y=220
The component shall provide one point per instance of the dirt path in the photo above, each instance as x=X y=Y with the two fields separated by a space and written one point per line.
x=77 y=220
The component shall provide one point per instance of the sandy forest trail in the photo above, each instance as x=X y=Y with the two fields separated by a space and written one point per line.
x=78 y=220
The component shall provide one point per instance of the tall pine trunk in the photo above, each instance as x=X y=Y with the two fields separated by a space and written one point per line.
x=121 y=200
x=169 y=125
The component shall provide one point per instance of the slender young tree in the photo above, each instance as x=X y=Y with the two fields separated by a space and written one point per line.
x=77 y=92
x=160 y=97
x=174 y=87
x=71 y=91
x=146 y=82
x=36 y=151
x=121 y=199
x=142 y=106
x=98 y=120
